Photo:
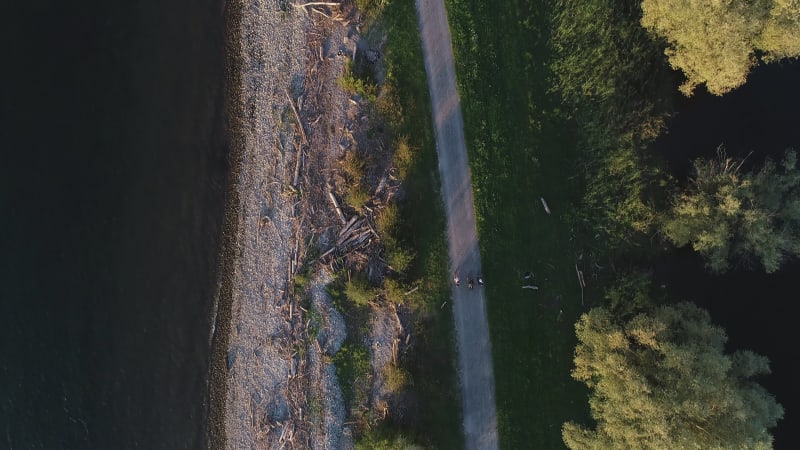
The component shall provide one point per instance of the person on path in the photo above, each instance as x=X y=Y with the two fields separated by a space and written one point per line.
x=456 y=280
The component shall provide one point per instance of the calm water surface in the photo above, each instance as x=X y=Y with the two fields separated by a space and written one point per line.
x=112 y=179
x=756 y=309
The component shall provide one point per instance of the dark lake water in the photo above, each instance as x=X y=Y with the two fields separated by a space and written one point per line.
x=112 y=184
x=756 y=309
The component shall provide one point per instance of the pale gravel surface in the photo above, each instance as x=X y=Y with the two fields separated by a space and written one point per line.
x=386 y=333
x=257 y=369
x=332 y=433
x=469 y=306
x=281 y=392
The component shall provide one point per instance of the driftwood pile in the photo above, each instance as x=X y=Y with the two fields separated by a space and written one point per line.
x=356 y=234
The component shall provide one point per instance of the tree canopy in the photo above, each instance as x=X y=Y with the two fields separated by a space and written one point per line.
x=733 y=217
x=662 y=381
x=716 y=42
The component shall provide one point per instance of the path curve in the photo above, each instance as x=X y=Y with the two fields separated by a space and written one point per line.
x=469 y=306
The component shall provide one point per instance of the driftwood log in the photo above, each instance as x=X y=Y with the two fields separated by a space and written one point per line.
x=544 y=203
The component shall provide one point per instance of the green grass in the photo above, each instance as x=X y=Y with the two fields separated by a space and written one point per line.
x=573 y=126
x=436 y=420
x=520 y=150
x=354 y=373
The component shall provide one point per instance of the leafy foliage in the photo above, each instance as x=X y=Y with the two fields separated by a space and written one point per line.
x=378 y=439
x=608 y=72
x=412 y=231
x=369 y=8
x=662 y=381
x=399 y=258
x=354 y=373
x=353 y=167
x=403 y=156
x=388 y=220
x=359 y=291
x=715 y=42
x=396 y=377
x=631 y=293
x=730 y=217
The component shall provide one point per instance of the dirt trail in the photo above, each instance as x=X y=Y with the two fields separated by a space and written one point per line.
x=472 y=328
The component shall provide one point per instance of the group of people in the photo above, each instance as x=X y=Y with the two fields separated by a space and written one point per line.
x=470 y=281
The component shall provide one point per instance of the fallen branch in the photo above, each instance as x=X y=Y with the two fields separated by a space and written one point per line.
x=327 y=252
x=297 y=167
x=304 y=5
x=397 y=318
x=336 y=206
x=581 y=282
x=531 y=286
x=347 y=228
x=296 y=116
x=395 y=350
x=544 y=203
x=412 y=291
x=355 y=240
x=322 y=13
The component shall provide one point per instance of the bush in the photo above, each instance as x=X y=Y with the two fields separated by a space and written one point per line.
x=353 y=84
x=609 y=75
x=403 y=156
x=396 y=377
x=394 y=291
x=357 y=197
x=369 y=8
x=378 y=439
x=388 y=105
x=387 y=220
x=353 y=167
x=301 y=280
x=359 y=291
x=354 y=372
x=399 y=259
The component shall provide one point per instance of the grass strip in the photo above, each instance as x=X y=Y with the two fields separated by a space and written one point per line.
x=521 y=151
x=414 y=237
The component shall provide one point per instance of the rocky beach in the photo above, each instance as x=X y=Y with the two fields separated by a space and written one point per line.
x=272 y=383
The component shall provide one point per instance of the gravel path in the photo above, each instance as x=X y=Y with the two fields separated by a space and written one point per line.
x=472 y=328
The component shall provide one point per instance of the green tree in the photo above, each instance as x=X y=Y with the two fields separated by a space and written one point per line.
x=728 y=216
x=715 y=42
x=662 y=381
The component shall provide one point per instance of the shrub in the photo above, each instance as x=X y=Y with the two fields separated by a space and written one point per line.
x=354 y=84
x=399 y=259
x=387 y=220
x=353 y=167
x=378 y=439
x=394 y=291
x=403 y=156
x=357 y=197
x=354 y=371
x=396 y=377
x=369 y=8
x=388 y=105
x=359 y=291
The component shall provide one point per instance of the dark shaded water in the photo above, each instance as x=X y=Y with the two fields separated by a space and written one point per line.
x=756 y=309
x=114 y=164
